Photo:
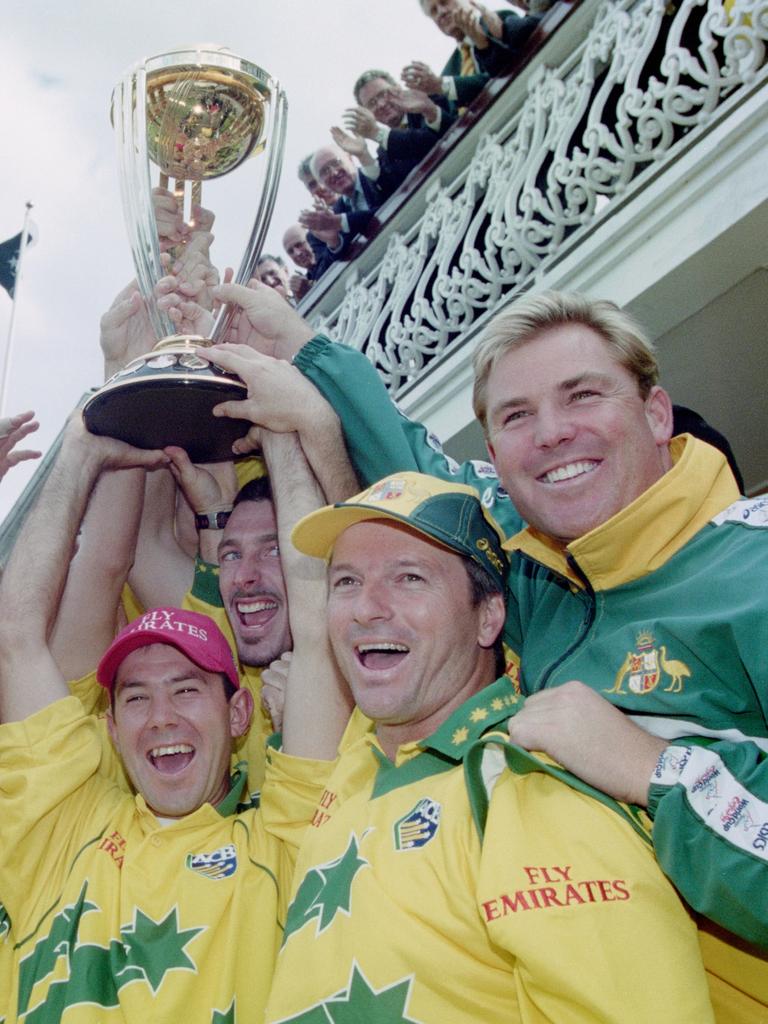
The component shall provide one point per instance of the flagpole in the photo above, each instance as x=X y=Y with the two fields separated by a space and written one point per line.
x=9 y=343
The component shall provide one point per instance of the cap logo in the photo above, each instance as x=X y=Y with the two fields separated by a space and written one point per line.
x=490 y=554
x=160 y=619
x=387 y=490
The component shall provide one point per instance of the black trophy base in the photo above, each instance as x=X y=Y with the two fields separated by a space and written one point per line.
x=154 y=413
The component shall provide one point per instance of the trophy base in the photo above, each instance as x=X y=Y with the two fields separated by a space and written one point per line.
x=165 y=398
x=162 y=413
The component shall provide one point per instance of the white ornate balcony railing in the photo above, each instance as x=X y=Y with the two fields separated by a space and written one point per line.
x=616 y=93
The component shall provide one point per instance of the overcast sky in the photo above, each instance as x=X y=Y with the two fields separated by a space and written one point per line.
x=60 y=63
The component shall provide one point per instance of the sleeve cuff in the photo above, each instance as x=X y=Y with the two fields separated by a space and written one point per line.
x=667 y=773
x=371 y=171
x=90 y=693
x=434 y=125
x=449 y=88
x=205 y=586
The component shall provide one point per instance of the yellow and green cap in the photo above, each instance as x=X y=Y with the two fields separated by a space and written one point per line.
x=447 y=512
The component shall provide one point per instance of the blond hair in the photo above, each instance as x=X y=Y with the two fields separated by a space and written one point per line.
x=534 y=314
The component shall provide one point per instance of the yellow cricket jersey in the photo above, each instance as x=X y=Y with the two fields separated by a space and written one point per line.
x=117 y=918
x=402 y=912
x=6 y=961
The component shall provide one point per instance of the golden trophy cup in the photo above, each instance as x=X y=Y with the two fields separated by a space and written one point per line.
x=196 y=113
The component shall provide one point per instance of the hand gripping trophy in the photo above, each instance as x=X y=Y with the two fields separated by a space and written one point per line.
x=196 y=113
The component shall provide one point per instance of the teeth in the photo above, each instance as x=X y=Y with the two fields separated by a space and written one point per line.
x=569 y=472
x=365 y=648
x=176 y=748
x=248 y=607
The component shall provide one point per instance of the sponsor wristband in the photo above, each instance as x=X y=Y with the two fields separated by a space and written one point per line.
x=212 y=520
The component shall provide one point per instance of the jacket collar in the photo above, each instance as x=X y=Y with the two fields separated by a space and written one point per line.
x=645 y=534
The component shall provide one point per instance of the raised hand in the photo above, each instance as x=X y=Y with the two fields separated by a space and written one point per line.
x=108 y=452
x=418 y=75
x=415 y=101
x=125 y=330
x=360 y=121
x=468 y=20
x=323 y=223
x=274 y=681
x=264 y=320
x=352 y=144
x=207 y=488
x=12 y=430
x=279 y=396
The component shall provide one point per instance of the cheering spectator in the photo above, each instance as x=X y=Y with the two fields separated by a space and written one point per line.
x=488 y=43
x=298 y=247
x=405 y=123
x=314 y=187
x=358 y=195
x=272 y=271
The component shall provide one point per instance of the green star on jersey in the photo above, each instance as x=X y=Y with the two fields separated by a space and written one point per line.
x=222 y=1017
x=361 y=1002
x=155 y=947
x=325 y=890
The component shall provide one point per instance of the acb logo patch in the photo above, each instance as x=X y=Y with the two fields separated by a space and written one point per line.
x=419 y=826
x=218 y=864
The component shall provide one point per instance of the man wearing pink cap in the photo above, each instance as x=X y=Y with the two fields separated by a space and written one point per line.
x=129 y=907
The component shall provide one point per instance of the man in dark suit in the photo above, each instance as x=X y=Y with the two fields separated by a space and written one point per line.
x=488 y=43
x=358 y=196
x=405 y=123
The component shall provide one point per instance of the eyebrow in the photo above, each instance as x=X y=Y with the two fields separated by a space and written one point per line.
x=237 y=541
x=180 y=677
x=563 y=386
x=398 y=563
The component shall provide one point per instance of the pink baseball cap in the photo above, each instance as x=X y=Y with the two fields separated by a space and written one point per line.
x=193 y=634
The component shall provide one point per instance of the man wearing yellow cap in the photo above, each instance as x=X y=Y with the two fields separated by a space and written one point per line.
x=422 y=895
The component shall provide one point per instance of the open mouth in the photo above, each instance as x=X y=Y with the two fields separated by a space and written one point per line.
x=570 y=471
x=256 y=611
x=381 y=655
x=171 y=758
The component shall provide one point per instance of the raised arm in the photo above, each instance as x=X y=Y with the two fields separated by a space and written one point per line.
x=162 y=570
x=88 y=614
x=317 y=702
x=280 y=399
x=379 y=438
x=32 y=584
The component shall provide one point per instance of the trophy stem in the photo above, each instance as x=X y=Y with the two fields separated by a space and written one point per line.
x=276 y=133
x=129 y=112
x=178 y=194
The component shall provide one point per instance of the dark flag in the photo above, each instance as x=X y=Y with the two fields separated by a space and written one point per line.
x=9 y=262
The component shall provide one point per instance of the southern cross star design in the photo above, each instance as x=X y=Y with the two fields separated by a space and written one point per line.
x=325 y=890
x=155 y=947
x=360 y=1001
